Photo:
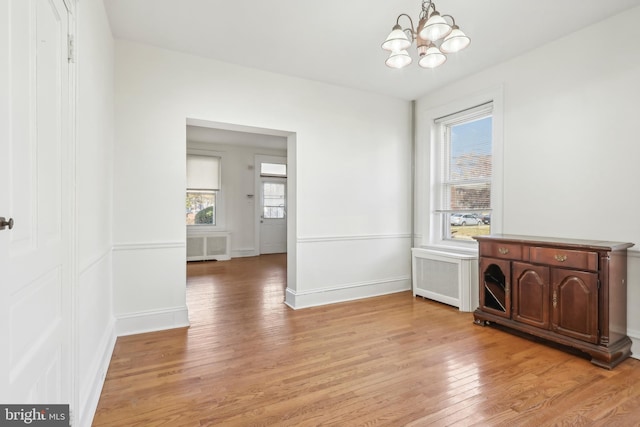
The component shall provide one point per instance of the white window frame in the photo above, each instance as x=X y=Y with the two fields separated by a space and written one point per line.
x=220 y=224
x=442 y=150
x=430 y=224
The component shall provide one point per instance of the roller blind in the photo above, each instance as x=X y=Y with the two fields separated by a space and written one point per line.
x=203 y=173
x=466 y=114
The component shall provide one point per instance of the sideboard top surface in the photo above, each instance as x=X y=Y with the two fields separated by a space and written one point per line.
x=597 y=245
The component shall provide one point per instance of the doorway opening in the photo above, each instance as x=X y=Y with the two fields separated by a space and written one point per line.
x=254 y=210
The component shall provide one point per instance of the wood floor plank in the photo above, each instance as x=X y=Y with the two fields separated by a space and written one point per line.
x=249 y=360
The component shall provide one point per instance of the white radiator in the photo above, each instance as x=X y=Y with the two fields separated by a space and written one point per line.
x=203 y=245
x=447 y=277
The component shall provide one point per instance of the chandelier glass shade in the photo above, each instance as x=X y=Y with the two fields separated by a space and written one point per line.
x=434 y=37
x=399 y=59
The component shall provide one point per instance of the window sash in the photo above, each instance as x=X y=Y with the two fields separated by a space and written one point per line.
x=201 y=208
x=446 y=182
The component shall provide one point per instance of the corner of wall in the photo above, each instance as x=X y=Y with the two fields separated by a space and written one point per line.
x=350 y=292
x=89 y=405
x=152 y=321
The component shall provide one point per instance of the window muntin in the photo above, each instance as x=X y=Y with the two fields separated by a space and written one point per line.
x=466 y=165
x=203 y=184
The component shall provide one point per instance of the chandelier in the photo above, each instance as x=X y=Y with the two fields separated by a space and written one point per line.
x=434 y=38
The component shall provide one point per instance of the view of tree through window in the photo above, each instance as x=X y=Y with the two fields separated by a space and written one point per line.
x=201 y=208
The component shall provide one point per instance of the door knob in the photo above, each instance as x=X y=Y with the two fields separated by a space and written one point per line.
x=4 y=223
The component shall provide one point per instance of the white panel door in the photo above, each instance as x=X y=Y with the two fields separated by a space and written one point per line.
x=35 y=302
x=273 y=215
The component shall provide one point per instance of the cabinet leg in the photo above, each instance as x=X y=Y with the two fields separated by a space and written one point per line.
x=480 y=322
x=613 y=356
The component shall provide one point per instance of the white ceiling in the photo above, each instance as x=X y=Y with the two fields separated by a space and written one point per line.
x=250 y=137
x=338 y=41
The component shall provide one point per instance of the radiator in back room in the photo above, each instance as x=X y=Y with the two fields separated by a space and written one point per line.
x=208 y=246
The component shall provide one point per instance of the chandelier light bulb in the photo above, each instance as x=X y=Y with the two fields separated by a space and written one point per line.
x=397 y=40
x=433 y=58
x=399 y=59
x=455 y=41
x=435 y=28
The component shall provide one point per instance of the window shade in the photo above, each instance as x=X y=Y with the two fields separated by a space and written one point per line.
x=466 y=114
x=203 y=173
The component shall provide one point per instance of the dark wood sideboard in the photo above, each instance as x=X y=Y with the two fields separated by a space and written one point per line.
x=566 y=291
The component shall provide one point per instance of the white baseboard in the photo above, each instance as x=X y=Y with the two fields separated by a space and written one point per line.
x=100 y=368
x=635 y=339
x=348 y=292
x=243 y=253
x=137 y=323
x=210 y=258
x=152 y=321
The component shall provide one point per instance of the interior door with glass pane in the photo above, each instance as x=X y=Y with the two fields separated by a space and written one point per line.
x=273 y=215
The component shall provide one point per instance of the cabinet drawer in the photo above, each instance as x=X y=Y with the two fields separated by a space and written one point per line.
x=582 y=260
x=501 y=250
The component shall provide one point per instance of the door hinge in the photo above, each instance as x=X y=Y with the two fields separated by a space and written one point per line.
x=71 y=48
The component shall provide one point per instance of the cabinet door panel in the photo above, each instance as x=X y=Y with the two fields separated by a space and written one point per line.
x=495 y=286
x=575 y=304
x=530 y=303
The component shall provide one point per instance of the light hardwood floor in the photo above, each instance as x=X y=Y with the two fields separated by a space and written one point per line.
x=249 y=360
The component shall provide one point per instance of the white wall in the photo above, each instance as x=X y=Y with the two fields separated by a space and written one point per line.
x=349 y=153
x=94 y=175
x=570 y=138
x=238 y=181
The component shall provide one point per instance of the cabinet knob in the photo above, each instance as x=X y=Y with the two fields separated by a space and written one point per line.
x=503 y=251
x=560 y=258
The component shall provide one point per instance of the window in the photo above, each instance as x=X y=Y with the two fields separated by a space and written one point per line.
x=203 y=185
x=274 y=199
x=464 y=172
x=273 y=190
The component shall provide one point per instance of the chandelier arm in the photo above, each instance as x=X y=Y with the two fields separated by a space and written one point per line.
x=412 y=29
x=452 y=19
